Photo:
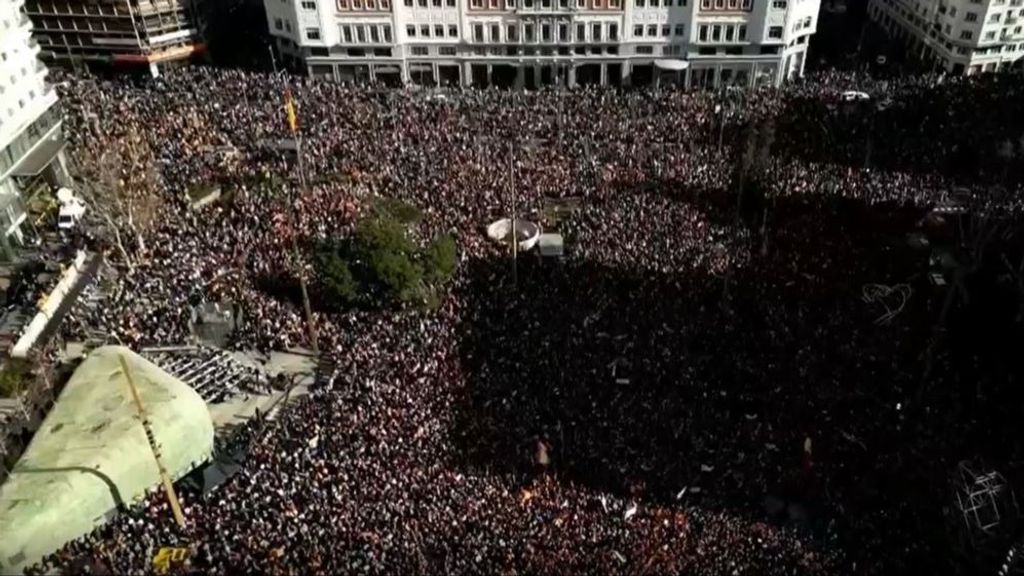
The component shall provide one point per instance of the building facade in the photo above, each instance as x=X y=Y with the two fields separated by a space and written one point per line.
x=31 y=142
x=531 y=43
x=120 y=32
x=958 y=36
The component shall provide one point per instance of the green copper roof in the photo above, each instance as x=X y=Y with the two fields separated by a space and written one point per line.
x=91 y=454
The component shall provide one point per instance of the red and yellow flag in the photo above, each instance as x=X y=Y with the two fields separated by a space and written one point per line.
x=289 y=110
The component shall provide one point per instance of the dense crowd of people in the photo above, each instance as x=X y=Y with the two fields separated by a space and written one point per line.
x=698 y=389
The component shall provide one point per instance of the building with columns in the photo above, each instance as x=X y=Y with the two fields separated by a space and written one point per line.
x=958 y=36
x=31 y=142
x=531 y=43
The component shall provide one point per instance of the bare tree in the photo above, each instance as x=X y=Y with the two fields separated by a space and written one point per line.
x=121 y=186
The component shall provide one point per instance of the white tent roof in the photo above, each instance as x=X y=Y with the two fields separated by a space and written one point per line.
x=671 y=64
x=91 y=454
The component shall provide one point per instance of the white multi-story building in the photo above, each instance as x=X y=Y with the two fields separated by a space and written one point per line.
x=31 y=143
x=959 y=36
x=532 y=43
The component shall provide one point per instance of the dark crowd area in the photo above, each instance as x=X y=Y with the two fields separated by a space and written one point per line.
x=743 y=364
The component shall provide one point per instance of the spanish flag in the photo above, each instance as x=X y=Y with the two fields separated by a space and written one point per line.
x=289 y=109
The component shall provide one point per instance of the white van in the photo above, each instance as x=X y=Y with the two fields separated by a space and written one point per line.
x=71 y=209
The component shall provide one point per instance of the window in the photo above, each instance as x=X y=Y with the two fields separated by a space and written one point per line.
x=775 y=32
x=425 y=30
x=420 y=51
x=615 y=4
x=645 y=50
x=385 y=4
x=703 y=33
x=734 y=4
x=287 y=26
x=966 y=35
x=581 y=32
x=990 y=35
x=971 y=17
x=478 y=32
x=374 y=35
x=410 y=31
x=361 y=34
x=705 y=4
x=994 y=18
x=528 y=4
x=741 y=34
x=421 y=3
x=563 y=4
x=476 y=4
x=446 y=50
x=528 y=32
x=450 y=3
x=307 y=5
x=495 y=32
x=680 y=29
x=664 y=29
x=312 y=33
x=438 y=30
x=716 y=33
x=652 y=30
x=640 y=3
x=512 y=33
x=346 y=34
x=563 y=32
x=435 y=3
x=453 y=30
x=952 y=10
x=654 y=3
x=493 y=4
x=613 y=31
x=779 y=4
x=278 y=24
x=387 y=33
x=638 y=31
x=728 y=33
x=581 y=4
x=595 y=32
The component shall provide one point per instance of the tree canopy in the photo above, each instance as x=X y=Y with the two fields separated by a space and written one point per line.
x=381 y=265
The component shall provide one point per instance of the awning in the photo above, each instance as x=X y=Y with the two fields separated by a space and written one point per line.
x=672 y=65
x=40 y=157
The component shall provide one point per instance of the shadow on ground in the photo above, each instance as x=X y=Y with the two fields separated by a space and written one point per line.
x=643 y=382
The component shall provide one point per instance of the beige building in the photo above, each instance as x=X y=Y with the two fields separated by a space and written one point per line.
x=118 y=32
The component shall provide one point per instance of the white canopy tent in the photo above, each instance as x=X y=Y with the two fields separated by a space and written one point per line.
x=671 y=65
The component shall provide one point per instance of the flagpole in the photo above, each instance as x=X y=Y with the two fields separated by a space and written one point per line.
x=310 y=325
x=515 y=238
x=293 y=125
